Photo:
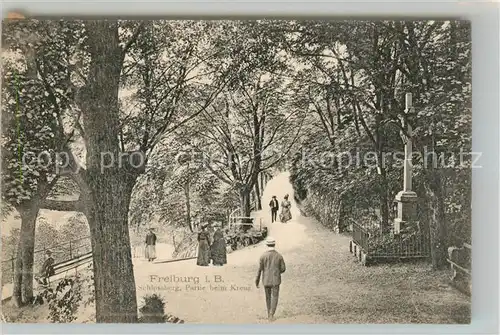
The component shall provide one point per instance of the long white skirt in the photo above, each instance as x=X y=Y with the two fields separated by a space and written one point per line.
x=150 y=252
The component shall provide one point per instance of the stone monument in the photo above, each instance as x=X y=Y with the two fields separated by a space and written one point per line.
x=406 y=199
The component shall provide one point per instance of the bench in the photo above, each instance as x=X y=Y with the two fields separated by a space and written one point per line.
x=460 y=261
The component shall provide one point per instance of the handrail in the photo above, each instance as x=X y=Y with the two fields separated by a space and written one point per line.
x=234 y=211
x=72 y=261
x=52 y=247
x=458 y=266
x=242 y=217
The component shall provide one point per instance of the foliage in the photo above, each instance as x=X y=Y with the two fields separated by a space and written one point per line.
x=64 y=300
x=75 y=228
x=9 y=247
x=245 y=96
x=27 y=134
x=358 y=73
x=153 y=309
x=36 y=94
x=252 y=125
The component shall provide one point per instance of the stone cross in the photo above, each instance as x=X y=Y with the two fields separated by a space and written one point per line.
x=407 y=173
x=406 y=199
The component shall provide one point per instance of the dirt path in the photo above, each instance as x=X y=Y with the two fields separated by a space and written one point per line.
x=322 y=284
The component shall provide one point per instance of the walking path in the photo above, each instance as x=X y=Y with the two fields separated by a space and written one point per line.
x=323 y=282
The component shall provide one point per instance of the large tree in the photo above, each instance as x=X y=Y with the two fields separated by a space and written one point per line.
x=116 y=150
x=253 y=125
x=31 y=135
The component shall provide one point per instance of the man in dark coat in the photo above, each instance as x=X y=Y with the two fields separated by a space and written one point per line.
x=47 y=269
x=274 y=204
x=271 y=266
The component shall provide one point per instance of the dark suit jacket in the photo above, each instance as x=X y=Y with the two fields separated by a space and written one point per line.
x=48 y=268
x=272 y=205
x=271 y=266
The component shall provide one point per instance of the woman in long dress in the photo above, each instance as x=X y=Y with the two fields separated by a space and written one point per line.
x=218 y=247
x=286 y=215
x=150 y=252
x=203 y=247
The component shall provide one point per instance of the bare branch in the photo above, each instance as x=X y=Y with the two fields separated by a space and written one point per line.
x=289 y=148
x=132 y=39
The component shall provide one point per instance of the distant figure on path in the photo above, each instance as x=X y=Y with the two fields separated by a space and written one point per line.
x=218 y=247
x=271 y=266
x=203 y=246
x=285 y=215
x=47 y=269
x=150 y=251
x=274 y=204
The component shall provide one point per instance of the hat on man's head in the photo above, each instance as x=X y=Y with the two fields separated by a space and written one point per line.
x=204 y=225
x=270 y=241
x=48 y=252
x=274 y=196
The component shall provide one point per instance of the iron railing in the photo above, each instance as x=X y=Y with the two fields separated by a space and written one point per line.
x=235 y=219
x=388 y=245
x=361 y=236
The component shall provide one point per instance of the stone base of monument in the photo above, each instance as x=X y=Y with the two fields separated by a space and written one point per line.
x=406 y=210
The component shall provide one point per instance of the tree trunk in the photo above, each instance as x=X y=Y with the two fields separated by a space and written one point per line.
x=383 y=199
x=108 y=182
x=23 y=271
x=245 y=201
x=262 y=182
x=258 y=196
x=115 y=292
x=437 y=220
x=188 y=206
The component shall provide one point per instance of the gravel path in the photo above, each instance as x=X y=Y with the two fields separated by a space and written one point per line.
x=323 y=282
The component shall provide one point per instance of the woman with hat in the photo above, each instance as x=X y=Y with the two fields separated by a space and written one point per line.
x=203 y=246
x=218 y=247
x=286 y=215
x=150 y=250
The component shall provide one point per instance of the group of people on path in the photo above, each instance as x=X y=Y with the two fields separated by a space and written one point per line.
x=213 y=248
x=285 y=214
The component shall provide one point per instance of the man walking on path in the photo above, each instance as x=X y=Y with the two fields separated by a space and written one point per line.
x=274 y=204
x=271 y=266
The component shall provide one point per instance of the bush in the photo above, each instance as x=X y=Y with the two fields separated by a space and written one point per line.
x=63 y=301
x=153 y=309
